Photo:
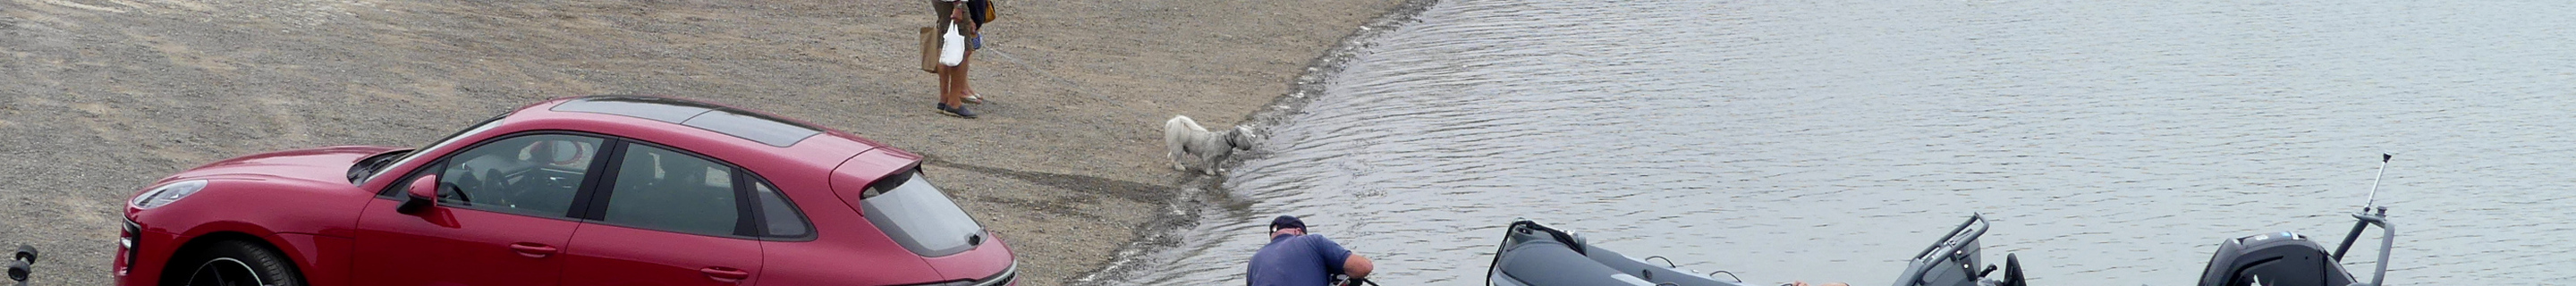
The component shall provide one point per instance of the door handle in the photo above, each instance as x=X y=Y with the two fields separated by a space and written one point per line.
x=725 y=274
x=532 y=250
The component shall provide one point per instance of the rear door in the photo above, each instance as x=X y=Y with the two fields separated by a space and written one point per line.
x=666 y=217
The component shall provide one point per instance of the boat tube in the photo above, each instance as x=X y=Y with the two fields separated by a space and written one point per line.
x=1536 y=255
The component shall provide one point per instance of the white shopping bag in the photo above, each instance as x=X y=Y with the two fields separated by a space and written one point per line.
x=952 y=50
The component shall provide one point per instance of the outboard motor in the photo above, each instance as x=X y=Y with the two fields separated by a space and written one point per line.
x=2289 y=259
x=2273 y=259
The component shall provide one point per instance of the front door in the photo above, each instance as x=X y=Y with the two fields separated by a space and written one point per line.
x=502 y=217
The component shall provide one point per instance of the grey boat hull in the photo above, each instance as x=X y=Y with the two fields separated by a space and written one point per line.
x=1534 y=255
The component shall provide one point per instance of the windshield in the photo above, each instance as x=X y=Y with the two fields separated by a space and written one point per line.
x=451 y=139
x=920 y=217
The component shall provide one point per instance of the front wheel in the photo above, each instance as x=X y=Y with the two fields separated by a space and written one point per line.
x=237 y=263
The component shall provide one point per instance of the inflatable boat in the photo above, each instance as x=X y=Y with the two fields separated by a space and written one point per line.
x=1537 y=255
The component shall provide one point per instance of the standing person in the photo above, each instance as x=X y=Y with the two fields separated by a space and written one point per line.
x=967 y=19
x=1294 y=258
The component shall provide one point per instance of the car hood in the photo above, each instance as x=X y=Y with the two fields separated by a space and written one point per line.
x=325 y=164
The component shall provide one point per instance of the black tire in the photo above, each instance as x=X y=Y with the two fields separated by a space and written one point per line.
x=226 y=263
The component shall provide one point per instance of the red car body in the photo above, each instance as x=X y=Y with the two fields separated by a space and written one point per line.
x=337 y=215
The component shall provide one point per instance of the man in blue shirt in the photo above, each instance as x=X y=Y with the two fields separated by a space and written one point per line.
x=1294 y=258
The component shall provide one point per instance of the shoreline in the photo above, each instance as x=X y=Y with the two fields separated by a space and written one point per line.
x=1066 y=163
x=1163 y=234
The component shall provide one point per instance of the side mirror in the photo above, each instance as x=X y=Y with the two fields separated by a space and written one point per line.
x=419 y=195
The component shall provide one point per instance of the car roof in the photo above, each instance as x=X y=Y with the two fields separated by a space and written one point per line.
x=706 y=128
x=749 y=125
x=739 y=123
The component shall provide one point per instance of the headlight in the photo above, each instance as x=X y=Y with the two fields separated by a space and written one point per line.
x=168 y=193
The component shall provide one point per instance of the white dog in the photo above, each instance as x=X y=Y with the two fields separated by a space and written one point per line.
x=1186 y=141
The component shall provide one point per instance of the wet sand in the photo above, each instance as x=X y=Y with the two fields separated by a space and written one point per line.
x=98 y=97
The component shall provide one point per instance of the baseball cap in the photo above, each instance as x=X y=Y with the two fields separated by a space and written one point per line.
x=1286 y=222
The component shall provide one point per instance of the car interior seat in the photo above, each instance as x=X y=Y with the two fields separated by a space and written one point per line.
x=672 y=192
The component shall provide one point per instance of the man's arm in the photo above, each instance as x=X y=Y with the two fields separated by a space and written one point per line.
x=1352 y=264
x=1357 y=266
x=957 y=15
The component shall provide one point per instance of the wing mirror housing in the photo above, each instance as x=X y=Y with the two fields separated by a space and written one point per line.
x=419 y=195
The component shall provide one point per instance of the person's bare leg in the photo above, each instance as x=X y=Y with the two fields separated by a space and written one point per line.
x=952 y=85
x=944 y=87
x=964 y=89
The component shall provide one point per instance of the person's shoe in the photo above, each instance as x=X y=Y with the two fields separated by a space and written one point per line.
x=974 y=98
x=959 y=111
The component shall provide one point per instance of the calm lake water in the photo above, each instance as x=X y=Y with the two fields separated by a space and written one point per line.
x=2111 y=143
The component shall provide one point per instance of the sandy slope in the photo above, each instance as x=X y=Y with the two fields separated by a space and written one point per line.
x=98 y=97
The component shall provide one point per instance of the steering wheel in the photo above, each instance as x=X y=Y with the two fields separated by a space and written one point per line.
x=500 y=180
x=452 y=190
x=538 y=185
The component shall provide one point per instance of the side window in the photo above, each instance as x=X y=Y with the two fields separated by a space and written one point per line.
x=672 y=191
x=533 y=175
x=781 y=217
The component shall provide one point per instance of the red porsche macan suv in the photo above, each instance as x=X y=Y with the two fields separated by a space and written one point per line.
x=600 y=190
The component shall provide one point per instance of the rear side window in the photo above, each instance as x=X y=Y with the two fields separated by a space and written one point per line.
x=781 y=218
x=671 y=191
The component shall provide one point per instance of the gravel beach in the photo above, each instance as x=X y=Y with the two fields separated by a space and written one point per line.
x=98 y=97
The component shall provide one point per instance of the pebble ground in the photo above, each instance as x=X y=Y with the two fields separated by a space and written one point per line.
x=98 y=97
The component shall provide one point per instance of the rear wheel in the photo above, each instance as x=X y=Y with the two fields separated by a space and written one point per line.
x=237 y=263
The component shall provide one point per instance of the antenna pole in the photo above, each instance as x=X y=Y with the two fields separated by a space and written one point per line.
x=2373 y=199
